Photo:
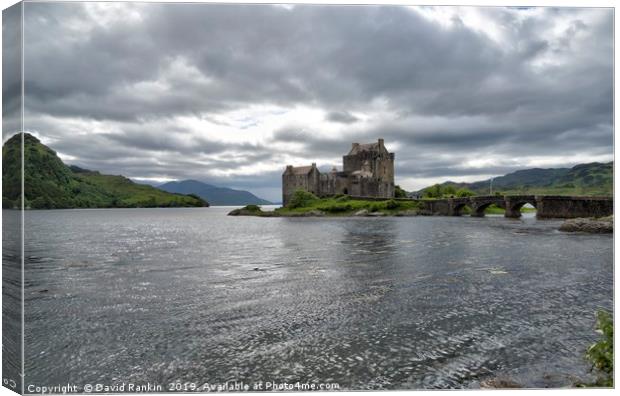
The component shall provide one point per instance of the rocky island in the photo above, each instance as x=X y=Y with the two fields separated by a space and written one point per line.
x=593 y=225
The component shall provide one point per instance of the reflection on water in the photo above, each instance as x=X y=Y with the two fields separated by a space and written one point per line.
x=192 y=295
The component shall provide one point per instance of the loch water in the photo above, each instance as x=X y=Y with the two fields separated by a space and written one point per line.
x=192 y=295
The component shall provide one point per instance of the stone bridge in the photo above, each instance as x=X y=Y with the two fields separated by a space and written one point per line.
x=547 y=206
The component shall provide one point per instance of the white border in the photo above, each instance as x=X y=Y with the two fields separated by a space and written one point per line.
x=531 y=3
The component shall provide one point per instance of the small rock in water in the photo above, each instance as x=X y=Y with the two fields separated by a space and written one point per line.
x=256 y=269
x=314 y=213
x=500 y=383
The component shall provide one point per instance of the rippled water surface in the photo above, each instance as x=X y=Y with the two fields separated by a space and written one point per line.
x=192 y=295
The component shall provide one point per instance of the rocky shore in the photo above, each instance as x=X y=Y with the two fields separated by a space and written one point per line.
x=601 y=225
x=251 y=211
x=598 y=225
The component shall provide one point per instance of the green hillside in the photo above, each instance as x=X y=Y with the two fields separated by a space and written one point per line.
x=594 y=179
x=50 y=184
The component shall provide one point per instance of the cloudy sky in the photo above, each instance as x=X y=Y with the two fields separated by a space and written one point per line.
x=230 y=94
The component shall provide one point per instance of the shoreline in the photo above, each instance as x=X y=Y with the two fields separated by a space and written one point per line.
x=252 y=210
x=318 y=213
x=600 y=225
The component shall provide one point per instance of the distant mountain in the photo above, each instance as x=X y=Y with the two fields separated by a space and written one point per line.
x=50 y=184
x=217 y=196
x=585 y=179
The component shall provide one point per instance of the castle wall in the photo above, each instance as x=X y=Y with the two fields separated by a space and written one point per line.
x=354 y=187
x=292 y=182
x=370 y=187
x=333 y=183
x=351 y=163
x=314 y=185
x=384 y=168
x=341 y=184
x=327 y=185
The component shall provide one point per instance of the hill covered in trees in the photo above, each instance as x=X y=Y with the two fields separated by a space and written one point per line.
x=594 y=179
x=50 y=184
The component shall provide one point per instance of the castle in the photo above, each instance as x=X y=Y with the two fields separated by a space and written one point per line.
x=368 y=171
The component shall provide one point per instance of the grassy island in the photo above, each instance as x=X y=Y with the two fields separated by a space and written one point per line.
x=304 y=204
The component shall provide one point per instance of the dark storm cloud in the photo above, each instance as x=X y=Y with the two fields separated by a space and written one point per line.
x=11 y=71
x=540 y=84
x=341 y=116
x=181 y=143
x=313 y=144
x=331 y=55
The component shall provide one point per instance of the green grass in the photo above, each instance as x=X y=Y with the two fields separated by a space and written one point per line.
x=127 y=194
x=344 y=205
x=494 y=209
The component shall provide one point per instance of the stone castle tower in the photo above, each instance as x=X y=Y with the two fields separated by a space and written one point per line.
x=368 y=171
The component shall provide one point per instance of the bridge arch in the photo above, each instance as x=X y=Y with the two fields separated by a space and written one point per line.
x=478 y=211
x=481 y=203
x=514 y=205
x=457 y=210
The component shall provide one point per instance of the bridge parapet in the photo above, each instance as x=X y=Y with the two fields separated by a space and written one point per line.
x=547 y=206
x=555 y=206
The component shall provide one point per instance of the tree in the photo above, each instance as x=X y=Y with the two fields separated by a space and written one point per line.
x=399 y=192
x=449 y=190
x=433 y=191
x=301 y=198
x=464 y=192
x=439 y=191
